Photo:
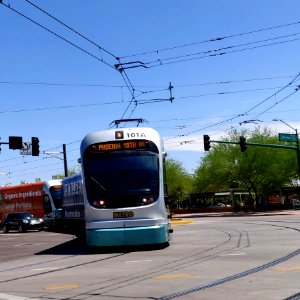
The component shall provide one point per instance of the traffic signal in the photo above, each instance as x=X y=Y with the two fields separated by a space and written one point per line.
x=243 y=144
x=206 y=140
x=15 y=142
x=35 y=146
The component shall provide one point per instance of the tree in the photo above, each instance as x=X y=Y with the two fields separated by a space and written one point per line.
x=258 y=170
x=179 y=182
x=72 y=171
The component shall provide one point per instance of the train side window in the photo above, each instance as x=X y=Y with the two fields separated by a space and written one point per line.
x=47 y=204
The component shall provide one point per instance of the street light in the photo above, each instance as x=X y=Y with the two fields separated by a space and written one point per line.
x=297 y=141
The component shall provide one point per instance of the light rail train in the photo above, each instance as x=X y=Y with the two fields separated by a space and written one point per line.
x=120 y=197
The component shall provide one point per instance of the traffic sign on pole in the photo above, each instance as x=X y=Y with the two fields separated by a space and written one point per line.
x=26 y=149
x=287 y=137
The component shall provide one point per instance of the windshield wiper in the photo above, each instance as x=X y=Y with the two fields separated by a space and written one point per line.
x=98 y=183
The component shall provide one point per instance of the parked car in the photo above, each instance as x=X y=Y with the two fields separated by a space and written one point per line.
x=22 y=221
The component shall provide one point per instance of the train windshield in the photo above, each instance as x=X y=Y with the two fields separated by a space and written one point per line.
x=117 y=179
x=55 y=192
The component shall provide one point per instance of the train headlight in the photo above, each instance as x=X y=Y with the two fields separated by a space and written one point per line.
x=147 y=200
x=99 y=203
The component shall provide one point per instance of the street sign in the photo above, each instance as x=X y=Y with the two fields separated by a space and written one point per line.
x=26 y=149
x=287 y=137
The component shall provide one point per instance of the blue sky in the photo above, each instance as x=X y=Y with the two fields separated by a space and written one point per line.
x=228 y=62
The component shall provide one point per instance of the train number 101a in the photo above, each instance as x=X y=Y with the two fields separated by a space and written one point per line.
x=136 y=135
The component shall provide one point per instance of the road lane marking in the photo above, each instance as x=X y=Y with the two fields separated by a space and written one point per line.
x=28 y=244
x=45 y=269
x=137 y=261
x=12 y=297
x=62 y=287
x=233 y=254
x=282 y=269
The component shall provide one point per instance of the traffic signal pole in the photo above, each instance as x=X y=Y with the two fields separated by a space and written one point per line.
x=292 y=138
x=16 y=143
x=245 y=144
x=259 y=145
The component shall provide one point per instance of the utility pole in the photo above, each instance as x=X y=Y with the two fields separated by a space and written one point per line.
x=298 y=153
x=65 y=160
x=54 y=154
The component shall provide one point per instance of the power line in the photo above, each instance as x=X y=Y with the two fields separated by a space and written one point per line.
x=61 y=84
x=209 y=54
x=234 y=81
x=280 y=90
x=278 y=102
x=143 y=101
x=212 y=52
x=216 y=39
x=215 y=52
x=59 y=107
x=228 y=92
x=57 y=35
x=73 y=30
x=249 y=110
x=230 y=81
x=123 y=73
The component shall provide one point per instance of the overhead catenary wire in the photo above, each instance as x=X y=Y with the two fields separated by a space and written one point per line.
x=177 y=144
x=167 y=140
x=146 y=101
x=73 y=30
x=123 y=73
x=210 y=54
x=152 y=100
x=126 y=79
x=278 y=102
x=215 y=39
x=251 y=109
x=60 y=107
x=63 y=84
x=274 y=94
x=57 y=35
x=33 y=169
x=222 y=82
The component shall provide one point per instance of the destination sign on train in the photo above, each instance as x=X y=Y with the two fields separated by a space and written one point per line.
x=120 y=145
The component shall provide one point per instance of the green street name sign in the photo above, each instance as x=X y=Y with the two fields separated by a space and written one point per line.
x=287 y=137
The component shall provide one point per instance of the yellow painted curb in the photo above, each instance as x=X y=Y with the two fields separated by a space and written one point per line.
x=181 y=222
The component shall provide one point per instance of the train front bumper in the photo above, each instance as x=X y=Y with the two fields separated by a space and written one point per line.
x=157 y=234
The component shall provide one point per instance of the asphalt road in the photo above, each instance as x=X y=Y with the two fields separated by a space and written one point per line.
x=211 y=256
